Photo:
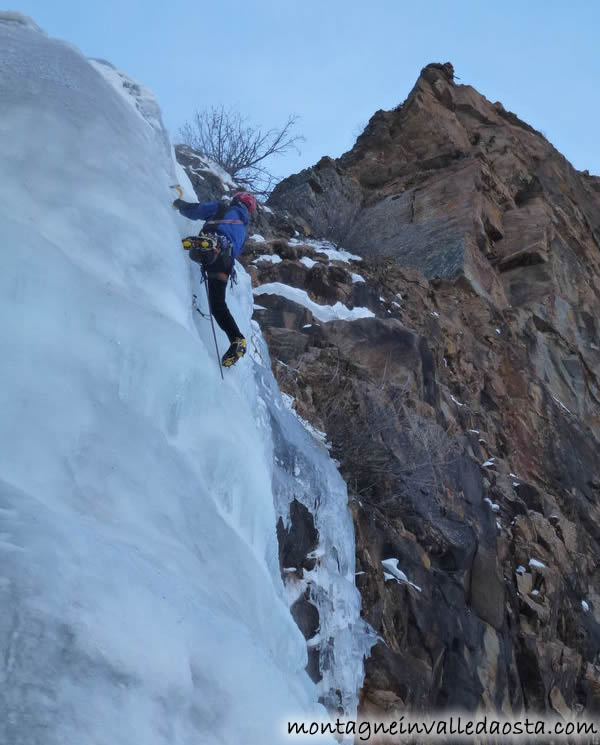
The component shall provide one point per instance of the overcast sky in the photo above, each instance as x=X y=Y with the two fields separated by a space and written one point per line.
x=335 y=63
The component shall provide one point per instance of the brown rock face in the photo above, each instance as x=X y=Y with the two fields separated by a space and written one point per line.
x=454 y=185
x=465 y=414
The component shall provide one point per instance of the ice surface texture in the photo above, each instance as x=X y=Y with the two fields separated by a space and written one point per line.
x=139 y=583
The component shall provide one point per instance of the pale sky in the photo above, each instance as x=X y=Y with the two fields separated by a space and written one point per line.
x=335 y=63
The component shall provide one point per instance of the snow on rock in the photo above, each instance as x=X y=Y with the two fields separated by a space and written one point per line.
x=268 y=258
x=356 y=278
x=560 y=403
x=308 y=262
x=337 y=312
x=585 y=606
x=393 y=572
x=333 y=252
x=257 y=238
x=537 y=564
x=141 y=595
x=202 y=163
x=520 y=569
x=493 y=505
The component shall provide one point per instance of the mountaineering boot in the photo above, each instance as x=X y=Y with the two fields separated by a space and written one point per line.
x=236 y=350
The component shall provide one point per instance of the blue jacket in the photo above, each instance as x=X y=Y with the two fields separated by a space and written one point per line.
x=236 y=232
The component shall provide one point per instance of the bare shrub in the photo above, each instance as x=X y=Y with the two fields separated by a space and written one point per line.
x=241 y=149
x=384 y=441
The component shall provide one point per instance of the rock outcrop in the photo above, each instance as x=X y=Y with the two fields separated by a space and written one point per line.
x=465 y=412
x=454 y=185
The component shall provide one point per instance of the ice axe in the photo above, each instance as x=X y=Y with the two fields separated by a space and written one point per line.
x=179 y=191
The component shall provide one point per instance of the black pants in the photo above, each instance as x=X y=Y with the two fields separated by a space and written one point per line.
x=218 y=274
x=216 y=295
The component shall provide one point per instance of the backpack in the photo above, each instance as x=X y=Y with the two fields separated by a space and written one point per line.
x=206 y=247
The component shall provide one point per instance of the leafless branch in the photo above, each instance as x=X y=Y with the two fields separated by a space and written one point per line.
x=241 y=149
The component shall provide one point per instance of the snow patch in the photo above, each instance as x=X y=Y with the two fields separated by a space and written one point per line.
x=493 y=505
x=268 y=258
x=202 y=163
x=393 y=572
x=560 y=403
x=337 y=312
x=333 y=252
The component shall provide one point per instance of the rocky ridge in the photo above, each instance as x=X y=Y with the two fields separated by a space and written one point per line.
x=464 y=408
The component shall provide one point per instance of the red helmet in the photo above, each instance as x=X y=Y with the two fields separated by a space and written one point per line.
x=247 y=200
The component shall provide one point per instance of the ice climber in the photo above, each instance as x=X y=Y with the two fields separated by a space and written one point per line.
x=225 y=232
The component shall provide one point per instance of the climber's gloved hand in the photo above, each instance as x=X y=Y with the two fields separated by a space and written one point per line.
x=179 y=204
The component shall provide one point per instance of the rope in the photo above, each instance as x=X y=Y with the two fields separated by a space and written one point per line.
x=212 y=324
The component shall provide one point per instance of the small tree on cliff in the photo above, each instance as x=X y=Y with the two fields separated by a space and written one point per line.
x=225 y=137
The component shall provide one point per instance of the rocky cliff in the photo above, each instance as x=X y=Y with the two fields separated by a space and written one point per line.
x=464 y=406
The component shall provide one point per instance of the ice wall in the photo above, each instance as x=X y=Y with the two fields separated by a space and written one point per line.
x=139 y=582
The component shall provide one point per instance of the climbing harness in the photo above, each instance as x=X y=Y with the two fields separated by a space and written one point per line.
x=205 y=249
